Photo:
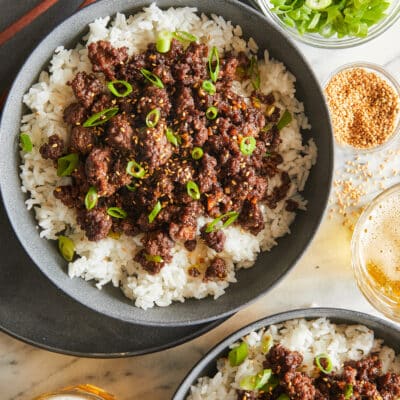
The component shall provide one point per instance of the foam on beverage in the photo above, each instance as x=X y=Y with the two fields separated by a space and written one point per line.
x=380 y=238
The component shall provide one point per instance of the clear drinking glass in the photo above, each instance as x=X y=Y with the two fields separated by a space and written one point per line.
x=79 y=392
x=376 y=252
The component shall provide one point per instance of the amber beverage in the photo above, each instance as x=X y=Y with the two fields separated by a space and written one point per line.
x=79 y=392
x=376 y=252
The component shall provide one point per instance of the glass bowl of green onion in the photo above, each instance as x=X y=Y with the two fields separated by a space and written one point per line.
x=332 y=23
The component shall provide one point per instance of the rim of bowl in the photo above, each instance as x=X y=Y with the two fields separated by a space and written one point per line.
x=391 y=80
x=178 y=321
x=336 y=314
x=334 y=43
x=378 y=300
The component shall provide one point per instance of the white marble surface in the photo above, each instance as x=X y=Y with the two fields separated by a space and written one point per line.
x=322 y=277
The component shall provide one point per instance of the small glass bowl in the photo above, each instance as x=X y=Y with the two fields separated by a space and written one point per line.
x=372 y=290
x=312 y=39
x=79 y=392
x=391 y=80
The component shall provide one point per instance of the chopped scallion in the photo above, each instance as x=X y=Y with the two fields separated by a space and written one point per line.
x=212 y=112
x=193 y=190
x=163 y=42
x=348 y=392
x=285 y=120
x=117 y=212
x=154 y=258
x=114 y=90
x=183 y=36
x=101 y=117
x=209 y=87
x=324 y=363
x=218 y=223
x=26 y=142
x=197 y=153
x=248 y=145
x=238 y=354
x=135 y=169
x=152 y=78
x=66 y=247
x=152 y=118
x=154 y=212
x=67 y=164
x=213 y=59
x=172 y=137
x=91 y=198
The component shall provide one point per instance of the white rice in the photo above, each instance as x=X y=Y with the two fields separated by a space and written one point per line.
x=310 y=338
x=111 y=260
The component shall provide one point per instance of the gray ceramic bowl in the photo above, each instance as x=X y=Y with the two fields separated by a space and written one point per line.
x=270 y=267
x=207 y=365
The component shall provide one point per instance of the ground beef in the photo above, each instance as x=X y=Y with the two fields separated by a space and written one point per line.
x=75 y=114
x=119 y=133
x=228 y=180
x=82 y=139
x=106 y=58
x=216 y=270
x=86 y=87
x=53 y=149
x=364 y=378
x=215 y=239
x=156 y=244
x=96 y=223
x=281 y=360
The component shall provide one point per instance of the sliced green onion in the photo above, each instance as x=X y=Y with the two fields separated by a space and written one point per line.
x=131 y=187
x=272 y=383
x=323 y=357
x=152 y=118
x=117 y=212
x=26 y=142
x=115 y=92
x=163 y=42
x=152 y=78
x=156 y=258
x=255 y=382
x=91 y=198
x=135 y=169
x=197 y=153
x=285 y=120
x=183 y=36
x=154 y=212
x=266 y=343
x=212 y=112
x=254 y=73
x=172 y=138
x=193 y=190
x=218 y=223
x=66 y=247
x=209 y=87
x=318 y=4
x=247 y=145
x=214 y=57
x=348 y=392
x=67 y=164
x=101 y=117
x=238 y=354
x=283 y=396
x=248 y=382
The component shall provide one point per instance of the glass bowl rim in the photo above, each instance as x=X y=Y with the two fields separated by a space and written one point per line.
x=334 y=43
x=388 y=77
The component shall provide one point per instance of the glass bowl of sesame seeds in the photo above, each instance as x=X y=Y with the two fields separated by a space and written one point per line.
x=363 y=101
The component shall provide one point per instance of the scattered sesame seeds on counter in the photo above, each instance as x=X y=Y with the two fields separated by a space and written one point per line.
x=358 y=180
x=364 y=106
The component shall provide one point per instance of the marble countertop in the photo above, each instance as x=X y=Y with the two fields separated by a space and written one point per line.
x=323 y=277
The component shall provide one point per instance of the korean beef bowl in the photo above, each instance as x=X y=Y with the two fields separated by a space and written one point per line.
x=163 y=151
